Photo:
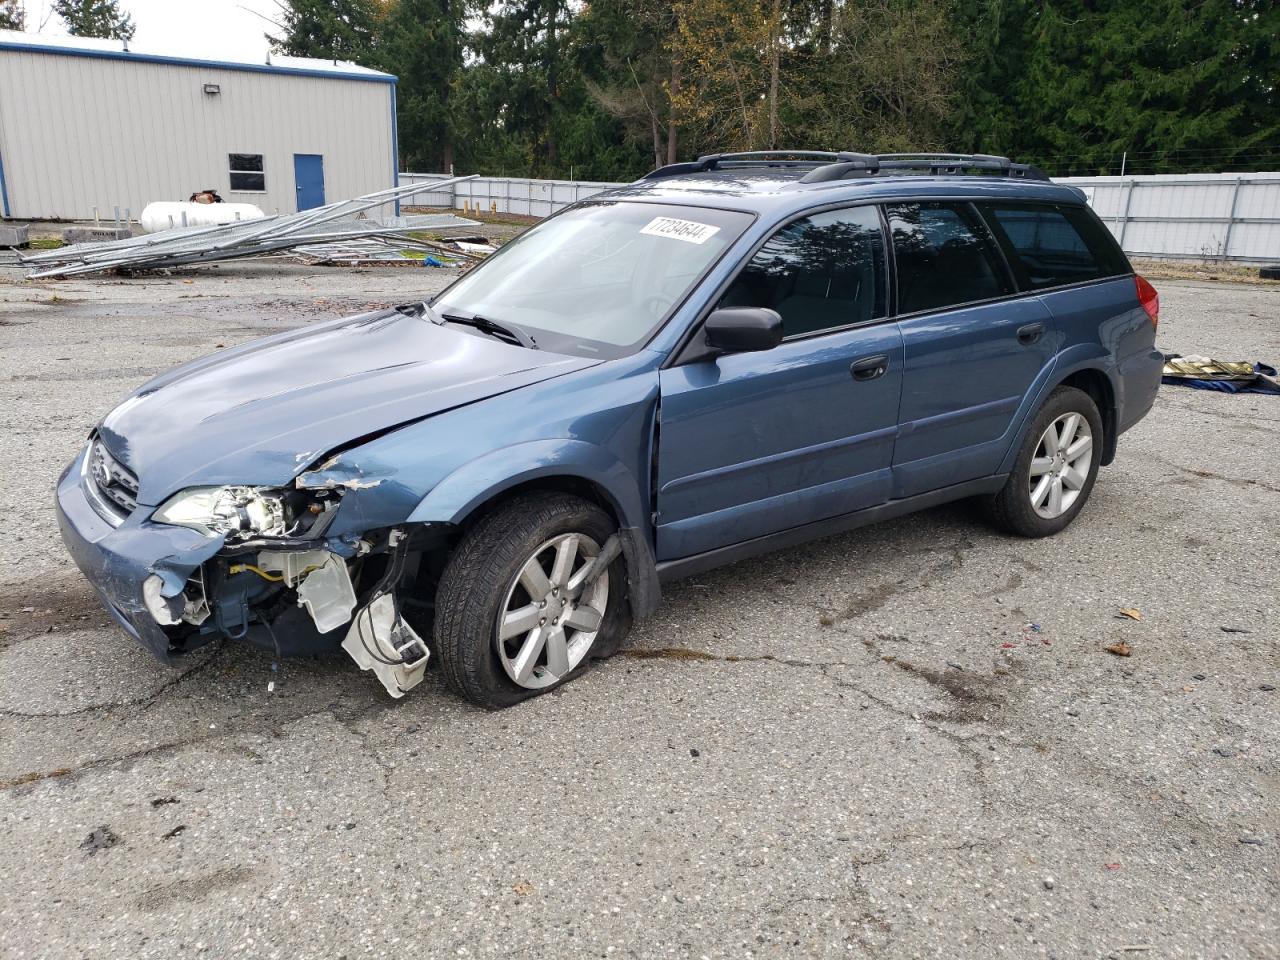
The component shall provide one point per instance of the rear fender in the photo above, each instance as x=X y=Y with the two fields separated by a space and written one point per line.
x=1084 y=356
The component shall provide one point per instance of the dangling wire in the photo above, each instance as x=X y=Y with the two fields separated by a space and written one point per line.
x=278 y=666
x=391 y=576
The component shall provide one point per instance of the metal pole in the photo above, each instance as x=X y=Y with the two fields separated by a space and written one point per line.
x=1235 y=199
x=1123 y=157
x=1128 y=202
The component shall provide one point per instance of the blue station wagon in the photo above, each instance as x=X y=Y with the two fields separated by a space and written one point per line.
x=726 y=357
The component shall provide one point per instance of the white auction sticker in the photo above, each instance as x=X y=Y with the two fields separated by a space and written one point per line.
x=687 y=230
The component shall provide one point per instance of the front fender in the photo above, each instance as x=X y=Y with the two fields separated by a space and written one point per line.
x=454 y=498
x=460 y=493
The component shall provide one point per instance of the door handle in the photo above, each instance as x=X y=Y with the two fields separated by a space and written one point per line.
x=868 y=368
x=1031 y=333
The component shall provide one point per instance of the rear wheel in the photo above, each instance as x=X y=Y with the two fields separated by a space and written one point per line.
x=515 y=616
x=1056 y=467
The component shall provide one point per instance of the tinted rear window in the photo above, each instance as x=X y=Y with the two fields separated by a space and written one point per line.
x=1050 y=246
x=945 y=256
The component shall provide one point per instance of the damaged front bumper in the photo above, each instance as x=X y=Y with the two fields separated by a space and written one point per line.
x=175 y=588
x=119 y=560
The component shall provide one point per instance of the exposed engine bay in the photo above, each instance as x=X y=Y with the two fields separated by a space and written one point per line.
x=280 y=584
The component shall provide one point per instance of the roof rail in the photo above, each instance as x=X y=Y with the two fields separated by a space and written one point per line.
x=936 y=164
x=760 y=158
x=830 y=165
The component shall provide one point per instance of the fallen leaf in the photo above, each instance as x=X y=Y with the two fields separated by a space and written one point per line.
x=1007 y=646
x=523 y=888
x=1112 y=866
x=1132 y=613
x=1188 y=689
x=1120 y=649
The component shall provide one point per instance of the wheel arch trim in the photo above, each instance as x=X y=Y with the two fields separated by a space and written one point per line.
x=1092 y=358
x=478 y=481
x=469 y=488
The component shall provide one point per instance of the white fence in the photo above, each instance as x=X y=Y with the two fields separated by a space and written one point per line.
x=530 y=198
x=1200 y=216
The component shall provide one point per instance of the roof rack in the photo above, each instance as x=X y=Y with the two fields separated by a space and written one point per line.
x=936 y=164
x=756 y=158
x=831 y=165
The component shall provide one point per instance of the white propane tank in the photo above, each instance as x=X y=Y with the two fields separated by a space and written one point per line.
x=167 y=214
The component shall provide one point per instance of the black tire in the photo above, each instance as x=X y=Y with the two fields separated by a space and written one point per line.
x=475 y=583
x=1011 y=509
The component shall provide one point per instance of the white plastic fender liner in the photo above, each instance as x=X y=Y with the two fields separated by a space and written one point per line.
x=381 y=641
x=327 y=594
x=163 y=610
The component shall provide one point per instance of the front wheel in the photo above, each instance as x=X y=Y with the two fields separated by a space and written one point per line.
x=1056 y=467
x=515 y=616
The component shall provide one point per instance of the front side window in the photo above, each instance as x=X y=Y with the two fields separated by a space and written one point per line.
x=822 y=272
x=247 y=173
x=596 y=280
x=1052 y=246
x=944 y=256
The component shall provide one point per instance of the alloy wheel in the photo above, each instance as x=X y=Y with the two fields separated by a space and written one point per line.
x=550 y=619
x=1061 y=465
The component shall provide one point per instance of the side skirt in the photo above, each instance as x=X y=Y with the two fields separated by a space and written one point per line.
x=670 y=570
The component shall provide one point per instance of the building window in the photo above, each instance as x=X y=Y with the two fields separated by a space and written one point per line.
x=246 y=173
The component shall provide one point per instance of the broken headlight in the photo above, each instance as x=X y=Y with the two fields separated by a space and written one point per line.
x=230 y=511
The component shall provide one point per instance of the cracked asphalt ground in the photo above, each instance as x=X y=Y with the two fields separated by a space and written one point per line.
x=856 y=748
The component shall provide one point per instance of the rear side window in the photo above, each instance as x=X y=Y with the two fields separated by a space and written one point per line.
x=945 y=257
x=822 y=272
x=1051 y=246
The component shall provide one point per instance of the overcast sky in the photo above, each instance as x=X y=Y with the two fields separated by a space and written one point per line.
x=192 y=28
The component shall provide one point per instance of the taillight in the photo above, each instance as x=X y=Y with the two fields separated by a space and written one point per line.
x=1149 y=299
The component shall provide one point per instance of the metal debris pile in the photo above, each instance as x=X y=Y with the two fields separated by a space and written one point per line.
x=395 y=248
x=339 y=232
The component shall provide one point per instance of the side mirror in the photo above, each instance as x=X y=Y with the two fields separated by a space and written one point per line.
x=743 y=329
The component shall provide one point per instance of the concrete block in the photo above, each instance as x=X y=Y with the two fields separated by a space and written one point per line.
x=13 y=235
x=95 y=234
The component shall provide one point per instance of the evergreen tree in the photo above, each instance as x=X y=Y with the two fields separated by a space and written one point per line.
x=624 y=51
x=422 y=43
x=1176 y=84
x=12 y=15
x=522 y=47
x=328 y=29
x=607 y=89
x=95 y=18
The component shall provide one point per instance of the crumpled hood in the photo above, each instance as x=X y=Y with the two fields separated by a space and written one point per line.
x=262 y=412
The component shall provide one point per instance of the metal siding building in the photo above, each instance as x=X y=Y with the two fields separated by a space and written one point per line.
x=86 y=126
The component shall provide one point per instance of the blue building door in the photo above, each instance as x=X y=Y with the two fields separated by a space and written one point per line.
x=308 y=179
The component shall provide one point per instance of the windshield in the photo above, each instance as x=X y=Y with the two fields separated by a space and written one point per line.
x=596 y=280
